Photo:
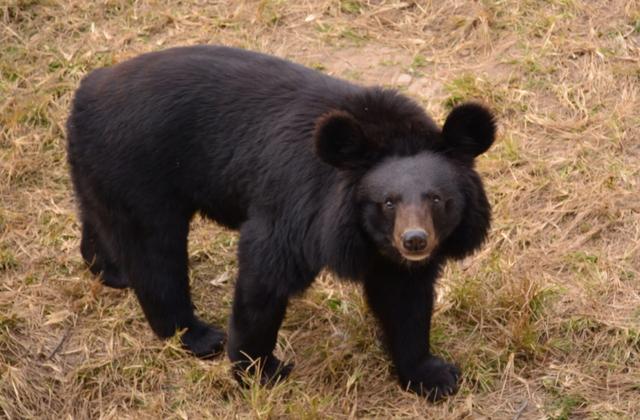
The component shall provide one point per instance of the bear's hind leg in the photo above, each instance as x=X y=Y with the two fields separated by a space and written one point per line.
x=96 y=253
x=157 y=266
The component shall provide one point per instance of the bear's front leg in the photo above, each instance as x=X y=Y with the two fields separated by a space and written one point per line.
x=267 y=275
x=253 y=331
x=403 y=304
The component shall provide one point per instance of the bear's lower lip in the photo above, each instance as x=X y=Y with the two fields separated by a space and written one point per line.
x=415 y=257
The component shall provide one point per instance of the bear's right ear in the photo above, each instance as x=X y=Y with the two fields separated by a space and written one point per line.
x=341 y=142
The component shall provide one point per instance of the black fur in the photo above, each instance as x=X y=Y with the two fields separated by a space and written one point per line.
x=286 y=155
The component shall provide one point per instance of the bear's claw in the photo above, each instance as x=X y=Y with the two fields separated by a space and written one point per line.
x=434 y=379
x=204 y=340
x=271 y=370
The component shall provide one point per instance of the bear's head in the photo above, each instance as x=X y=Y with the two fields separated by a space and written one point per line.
x=417 y=193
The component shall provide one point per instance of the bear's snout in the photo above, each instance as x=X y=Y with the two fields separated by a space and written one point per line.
x=414 y=240
x=414 y=235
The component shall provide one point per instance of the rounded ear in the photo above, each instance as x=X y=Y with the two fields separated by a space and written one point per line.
x=340 y=141
x=469 y=131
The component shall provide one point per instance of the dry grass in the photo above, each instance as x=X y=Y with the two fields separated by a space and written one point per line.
x=545 y=321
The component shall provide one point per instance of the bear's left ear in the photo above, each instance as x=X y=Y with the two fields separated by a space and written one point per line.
x=341 y=142
x=469 y=131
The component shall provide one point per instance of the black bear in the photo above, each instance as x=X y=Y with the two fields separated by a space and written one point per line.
x=314 y=171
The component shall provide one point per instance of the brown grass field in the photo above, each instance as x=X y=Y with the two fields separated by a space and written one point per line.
x=544 y=321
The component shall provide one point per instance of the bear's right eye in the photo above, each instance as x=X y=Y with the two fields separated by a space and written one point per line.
x=388 y=203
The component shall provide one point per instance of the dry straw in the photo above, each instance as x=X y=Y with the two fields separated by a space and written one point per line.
x=544 y=321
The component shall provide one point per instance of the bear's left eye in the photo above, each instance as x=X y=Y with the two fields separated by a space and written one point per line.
x=388 y=203
x=431 y=197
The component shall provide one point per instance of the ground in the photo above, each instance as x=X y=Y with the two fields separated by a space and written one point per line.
x=544 y=321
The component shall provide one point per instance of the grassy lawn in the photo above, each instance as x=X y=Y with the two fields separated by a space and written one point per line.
x=544 y=321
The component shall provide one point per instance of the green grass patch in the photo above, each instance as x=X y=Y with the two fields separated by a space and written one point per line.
x=564 y=407
x=351 y=6
x=8 y=261
x=271 y=12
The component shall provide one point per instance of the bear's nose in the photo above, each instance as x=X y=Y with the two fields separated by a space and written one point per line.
x=414 y=240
